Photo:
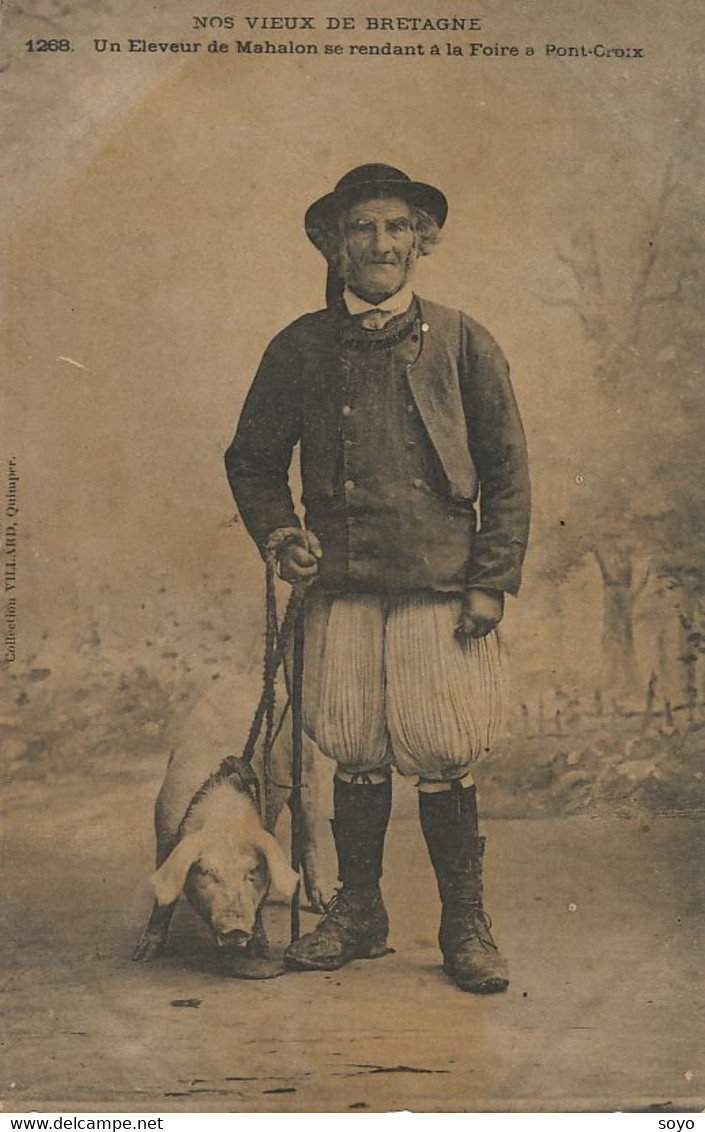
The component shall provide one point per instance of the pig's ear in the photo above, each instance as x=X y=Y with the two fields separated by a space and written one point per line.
x=168 y=880
x=281 y=875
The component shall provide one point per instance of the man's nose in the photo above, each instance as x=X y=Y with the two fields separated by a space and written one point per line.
x=382 y=242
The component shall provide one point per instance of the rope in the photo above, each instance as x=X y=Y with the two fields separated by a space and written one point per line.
x=269 y=688
x=271 y=669
x=297 y=731
x=276 y=645
x=277 y=638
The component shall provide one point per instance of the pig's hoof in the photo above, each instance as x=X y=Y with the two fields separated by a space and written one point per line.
x=244 y=967
x=258 y=947
x=316 y=900
x=148 y=948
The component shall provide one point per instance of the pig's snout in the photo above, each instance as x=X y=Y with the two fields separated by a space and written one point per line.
x=234 y=939
x=231 y=921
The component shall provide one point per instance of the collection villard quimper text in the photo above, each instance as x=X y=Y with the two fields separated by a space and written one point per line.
x=10 y=561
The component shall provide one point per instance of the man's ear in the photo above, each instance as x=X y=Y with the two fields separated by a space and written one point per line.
x=169 y=880
x=281 y=874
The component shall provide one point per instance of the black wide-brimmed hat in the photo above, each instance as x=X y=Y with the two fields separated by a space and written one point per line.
x=365 y=183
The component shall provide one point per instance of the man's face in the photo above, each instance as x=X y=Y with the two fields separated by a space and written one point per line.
x=379 y=248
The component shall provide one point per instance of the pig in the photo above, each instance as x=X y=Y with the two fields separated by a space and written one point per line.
x=211 y=843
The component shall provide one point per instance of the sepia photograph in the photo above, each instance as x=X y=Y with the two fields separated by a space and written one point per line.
x=353 y=537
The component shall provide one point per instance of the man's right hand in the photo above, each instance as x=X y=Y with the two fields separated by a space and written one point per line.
x=299 y=557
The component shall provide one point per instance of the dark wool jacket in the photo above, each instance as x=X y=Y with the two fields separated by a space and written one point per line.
x=460 y=387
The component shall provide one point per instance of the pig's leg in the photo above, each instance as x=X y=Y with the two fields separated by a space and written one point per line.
x=258 y=946
x=278 y=795
x=309 y=845
x=152 y=942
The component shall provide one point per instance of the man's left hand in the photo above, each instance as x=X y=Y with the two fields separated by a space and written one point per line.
x=481 y=612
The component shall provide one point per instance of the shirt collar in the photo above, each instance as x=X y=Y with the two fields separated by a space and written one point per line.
x=397 y=303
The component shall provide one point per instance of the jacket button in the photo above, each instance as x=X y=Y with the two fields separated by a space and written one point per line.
x=347 y=410
x=349 y=485
x=409 y=408
x=347 y=444
x=425 y=327
x=418 y=483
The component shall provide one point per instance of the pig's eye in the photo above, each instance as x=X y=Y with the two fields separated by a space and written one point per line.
x=204 y=872
x=254 y=874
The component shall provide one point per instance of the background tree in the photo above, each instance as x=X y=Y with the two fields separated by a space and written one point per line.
x=640 y=510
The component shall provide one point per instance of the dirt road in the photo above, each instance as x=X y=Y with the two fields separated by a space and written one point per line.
x=599 y=919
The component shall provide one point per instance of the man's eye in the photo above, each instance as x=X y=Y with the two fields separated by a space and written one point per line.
x=400 y=226
x=360 y=226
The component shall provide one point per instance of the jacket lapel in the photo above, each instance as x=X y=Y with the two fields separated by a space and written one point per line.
x=434 y=379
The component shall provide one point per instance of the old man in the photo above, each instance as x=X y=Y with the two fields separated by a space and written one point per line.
x=416 y=512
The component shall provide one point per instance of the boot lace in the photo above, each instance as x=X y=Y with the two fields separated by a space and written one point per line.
x=475 y=924
x=338 y=906
x=346 y=901
x=346 y=915
x=483 y=927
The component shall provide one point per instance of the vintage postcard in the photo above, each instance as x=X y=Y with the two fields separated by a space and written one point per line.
x=354 y=518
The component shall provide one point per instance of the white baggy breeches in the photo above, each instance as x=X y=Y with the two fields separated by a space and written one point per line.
x=386 y=682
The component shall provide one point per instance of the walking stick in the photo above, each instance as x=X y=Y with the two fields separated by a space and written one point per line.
x=297 y=679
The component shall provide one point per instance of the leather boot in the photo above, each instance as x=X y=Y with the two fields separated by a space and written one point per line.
x=470 y=955
x=355 y=925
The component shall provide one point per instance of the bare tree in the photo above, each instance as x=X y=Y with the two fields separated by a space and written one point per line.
x=643 y=455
